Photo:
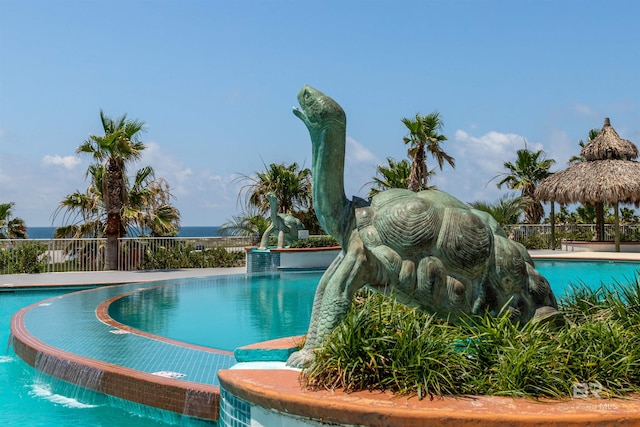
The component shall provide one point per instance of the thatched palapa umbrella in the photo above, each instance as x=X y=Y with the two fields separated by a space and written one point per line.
x=609 y=175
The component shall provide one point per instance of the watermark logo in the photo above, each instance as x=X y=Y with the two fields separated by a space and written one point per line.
x=587 y=390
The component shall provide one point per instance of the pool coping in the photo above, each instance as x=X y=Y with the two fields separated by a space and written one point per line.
x=281 y=390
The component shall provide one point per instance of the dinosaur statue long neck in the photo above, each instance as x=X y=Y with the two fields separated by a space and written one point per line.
x=329 y=199
x=273 y=204
x=327 y=123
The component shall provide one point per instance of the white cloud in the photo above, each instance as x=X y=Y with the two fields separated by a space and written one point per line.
x=488 y=152
x=360 y=167
x=203 y=196
x=479 y=159
x=358 y=153
x=68 y=162
x=584 y=110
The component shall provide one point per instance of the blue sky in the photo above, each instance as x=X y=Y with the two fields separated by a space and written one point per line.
x=215 y=82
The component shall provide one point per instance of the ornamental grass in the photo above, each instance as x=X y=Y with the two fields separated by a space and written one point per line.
x=382 y=345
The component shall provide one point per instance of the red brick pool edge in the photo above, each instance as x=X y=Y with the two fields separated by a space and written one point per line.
x=281 y=390
x=183 y=397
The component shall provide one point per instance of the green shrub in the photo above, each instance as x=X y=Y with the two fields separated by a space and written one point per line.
x=315 y=242
x=383 y=345
x=183 y=255
x=537 y=241
x=28 y=257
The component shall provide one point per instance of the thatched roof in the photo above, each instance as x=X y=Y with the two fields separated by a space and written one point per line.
x=606 y=181
x=608 y=145
x=608 y=175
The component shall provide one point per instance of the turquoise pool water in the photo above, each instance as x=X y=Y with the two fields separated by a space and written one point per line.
x=30 y=401
x=226 y=315
x=562 y=275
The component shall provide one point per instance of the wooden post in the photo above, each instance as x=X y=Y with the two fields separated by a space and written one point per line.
x=553 y=226
x=616 y=217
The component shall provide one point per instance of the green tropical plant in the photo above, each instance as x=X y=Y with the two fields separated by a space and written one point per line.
x=248 y=223
x=149 y=207
x=315 y=242
x=506 y=210
x=628 y=216
x=179 y=254
x=577 y=159
x=290 y=184
x=83 y=213
x=384 y=345
x=29 y=257
x=529 y=169
x=292 y=188
x=394 y=175
x=11 y=227
x=118 y=147
x=424 y=137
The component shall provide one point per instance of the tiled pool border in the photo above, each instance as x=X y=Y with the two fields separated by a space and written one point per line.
x=183 y=397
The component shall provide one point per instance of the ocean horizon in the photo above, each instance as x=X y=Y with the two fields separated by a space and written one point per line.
x=187 y=231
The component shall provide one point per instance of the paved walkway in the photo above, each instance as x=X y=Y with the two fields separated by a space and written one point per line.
x=119 y=277
x=612 y=256
x=108 y=277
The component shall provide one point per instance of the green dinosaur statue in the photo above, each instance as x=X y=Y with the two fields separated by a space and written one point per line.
x=284 y=226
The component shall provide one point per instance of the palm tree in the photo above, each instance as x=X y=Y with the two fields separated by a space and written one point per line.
x=506 y=210
x=290 y=184
x=529 y=169
x=11 y=228
x=577 y=159
x=83 y=212
x=149 y=206
x=393 y=175
x=115 y=149
x=424 y=137
x=249 y=223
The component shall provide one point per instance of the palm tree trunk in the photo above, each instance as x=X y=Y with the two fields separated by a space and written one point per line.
x=600 y=222
x=114 y=203
x=418 y=176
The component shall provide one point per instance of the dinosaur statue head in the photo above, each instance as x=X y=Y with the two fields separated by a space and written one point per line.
x=317 y=110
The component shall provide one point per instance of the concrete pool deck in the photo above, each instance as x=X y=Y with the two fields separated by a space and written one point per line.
x=55 y=351
x=8 y=281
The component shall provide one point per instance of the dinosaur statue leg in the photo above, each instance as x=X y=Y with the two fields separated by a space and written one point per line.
x=265 y=237
x=333 y=298
x=280 y=239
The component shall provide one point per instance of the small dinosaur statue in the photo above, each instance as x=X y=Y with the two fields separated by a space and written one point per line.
x=284 y=226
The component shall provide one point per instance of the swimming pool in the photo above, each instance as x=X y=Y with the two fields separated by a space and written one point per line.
x=245 y=306
x=236 y=312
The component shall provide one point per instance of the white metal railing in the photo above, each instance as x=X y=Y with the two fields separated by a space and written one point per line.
x=584 y=232
x=87 y=254
x=57 y=255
